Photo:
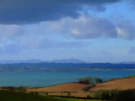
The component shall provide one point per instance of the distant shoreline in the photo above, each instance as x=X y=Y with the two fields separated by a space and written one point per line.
x=62 y=67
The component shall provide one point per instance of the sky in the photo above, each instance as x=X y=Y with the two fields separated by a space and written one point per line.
x=89 y=30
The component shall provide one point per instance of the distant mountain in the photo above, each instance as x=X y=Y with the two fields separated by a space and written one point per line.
x=61 y=67
x=20 y=61
x=40 y=61
x=68 y=61
x=128 y=62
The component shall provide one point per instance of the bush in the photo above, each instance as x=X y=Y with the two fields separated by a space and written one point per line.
x=18 y=89
x=127 y=95
x=106 y=94
x=98 y=80
x=115 y=95
x=86 y=81
x=90 y=80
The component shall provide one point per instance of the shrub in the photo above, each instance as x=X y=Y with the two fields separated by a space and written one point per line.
x=90 y=80
x=69 y=93
x=127 y=95
x=106 y=94
x=18 y=89
x=86 y=81
x=98 y=80
x=115 y=95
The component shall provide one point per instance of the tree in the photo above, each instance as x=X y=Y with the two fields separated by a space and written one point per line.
x=98 y=80
x=86 y=80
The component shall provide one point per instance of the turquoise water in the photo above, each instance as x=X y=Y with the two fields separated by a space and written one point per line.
x=40 y=79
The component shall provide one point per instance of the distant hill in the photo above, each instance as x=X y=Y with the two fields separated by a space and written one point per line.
x=72 y=60
x=20 y=61
x=58 y=67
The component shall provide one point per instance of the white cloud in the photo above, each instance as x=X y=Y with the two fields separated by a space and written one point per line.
x=88 y=27
x=85 y=27
x=126 y=30
x=10 y=31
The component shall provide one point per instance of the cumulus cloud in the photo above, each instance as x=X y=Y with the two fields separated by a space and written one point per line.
x=9 y=31
x=126 y=30
x=88 y=27
x=85 y=27
x=30 y=11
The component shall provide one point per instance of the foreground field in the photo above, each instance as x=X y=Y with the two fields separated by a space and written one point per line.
x=17 y=96
x=72 y=99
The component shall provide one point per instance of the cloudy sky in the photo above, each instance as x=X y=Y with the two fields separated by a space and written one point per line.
x=89 y=30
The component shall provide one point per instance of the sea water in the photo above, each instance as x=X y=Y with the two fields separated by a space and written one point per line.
x=41 y=79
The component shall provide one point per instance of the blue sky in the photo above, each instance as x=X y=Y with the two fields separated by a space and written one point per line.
x=89 y=30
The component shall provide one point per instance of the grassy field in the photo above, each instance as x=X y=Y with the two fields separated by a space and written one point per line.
x=18 y=96
x=72 y=99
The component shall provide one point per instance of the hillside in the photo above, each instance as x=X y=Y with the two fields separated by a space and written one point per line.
x=120 y=84
x=78 y=90
x=68 y=87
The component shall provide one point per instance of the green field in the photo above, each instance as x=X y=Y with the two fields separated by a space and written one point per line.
x=18 y=96
x=72 y=99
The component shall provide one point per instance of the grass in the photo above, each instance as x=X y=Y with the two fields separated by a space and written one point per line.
x=73 y=99
x=20 y=96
